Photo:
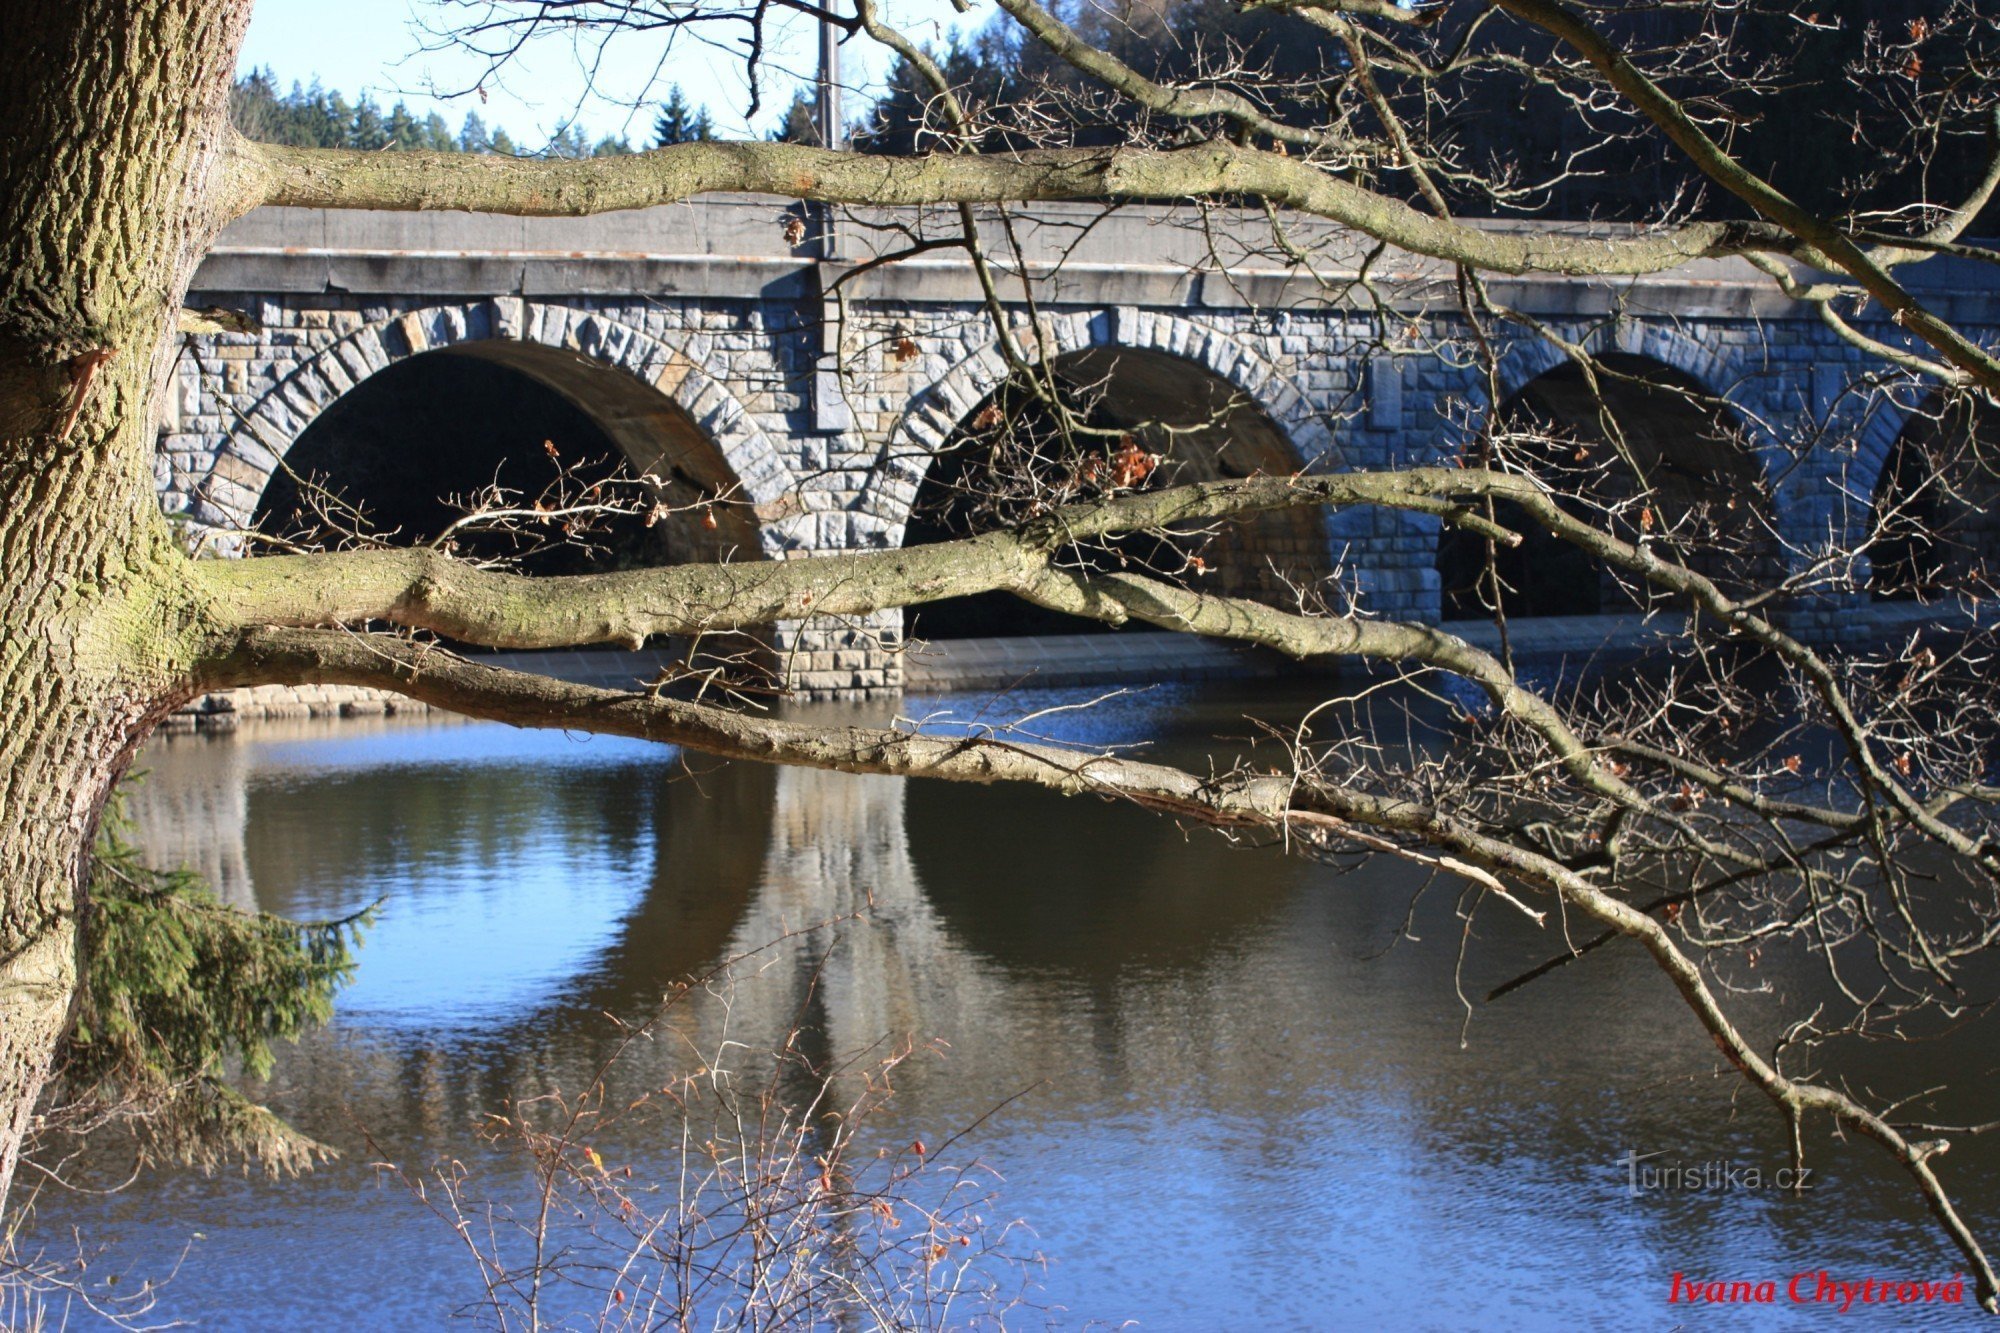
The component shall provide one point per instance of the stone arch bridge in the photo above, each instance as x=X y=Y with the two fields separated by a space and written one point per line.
x=816 y=390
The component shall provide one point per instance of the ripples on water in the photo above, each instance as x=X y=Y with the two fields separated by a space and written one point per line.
x=1248 y=1110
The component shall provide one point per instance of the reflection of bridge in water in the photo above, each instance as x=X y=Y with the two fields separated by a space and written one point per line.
x=741 y=857
x=1227 y=1057
x=868 y=909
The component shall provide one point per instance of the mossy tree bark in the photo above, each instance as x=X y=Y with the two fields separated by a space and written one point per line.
x=112 y=120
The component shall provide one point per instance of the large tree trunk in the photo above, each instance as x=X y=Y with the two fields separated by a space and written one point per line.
x=113 y=114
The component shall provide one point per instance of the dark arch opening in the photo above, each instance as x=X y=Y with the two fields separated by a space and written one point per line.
x=1683 y=476
x=1146 y=419
x=406 y=442
x=1936 y=506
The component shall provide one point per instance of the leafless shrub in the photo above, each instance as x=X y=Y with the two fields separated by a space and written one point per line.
x=774 y=1204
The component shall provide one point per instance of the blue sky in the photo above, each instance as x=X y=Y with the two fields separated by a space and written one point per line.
x=379 y=47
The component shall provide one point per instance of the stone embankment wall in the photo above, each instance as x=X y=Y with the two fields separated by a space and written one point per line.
x=224 y=709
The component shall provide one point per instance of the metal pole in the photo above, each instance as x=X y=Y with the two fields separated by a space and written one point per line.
x=832 y=133
x=830 y=410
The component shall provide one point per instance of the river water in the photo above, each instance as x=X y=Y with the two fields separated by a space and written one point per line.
x=1227 y=1088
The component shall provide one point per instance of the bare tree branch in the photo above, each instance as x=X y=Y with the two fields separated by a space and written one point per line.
x=1828 y=246
x=338 y=178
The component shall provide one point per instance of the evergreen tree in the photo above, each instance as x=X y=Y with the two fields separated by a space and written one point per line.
x=1846 y=92
x=680 y=123
x=311 y=117
x=177 y=989
x=567 y=142
x=369 y=132
x=799 y=124
x=255 y=107
x=436 y=135
x=473 y=138
x=985 y=73
x=612 y=145
x=503 y=144
x=320 y=119
x=403 y=129
x=303 y=118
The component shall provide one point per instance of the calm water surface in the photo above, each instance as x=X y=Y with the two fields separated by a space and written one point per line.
x=1250 y=1103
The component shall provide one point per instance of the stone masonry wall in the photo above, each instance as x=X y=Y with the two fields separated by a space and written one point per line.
x=745 y=370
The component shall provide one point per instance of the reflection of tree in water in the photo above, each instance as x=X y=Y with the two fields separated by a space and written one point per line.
x=414 y=821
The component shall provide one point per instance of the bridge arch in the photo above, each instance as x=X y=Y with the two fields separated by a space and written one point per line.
x=1857 y=487
x=1710 y=483
x=1933 y=501
x=934 y=414
x=658 y=406
x=1889 y=416
x=1198 y=422
x=1712 y=367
